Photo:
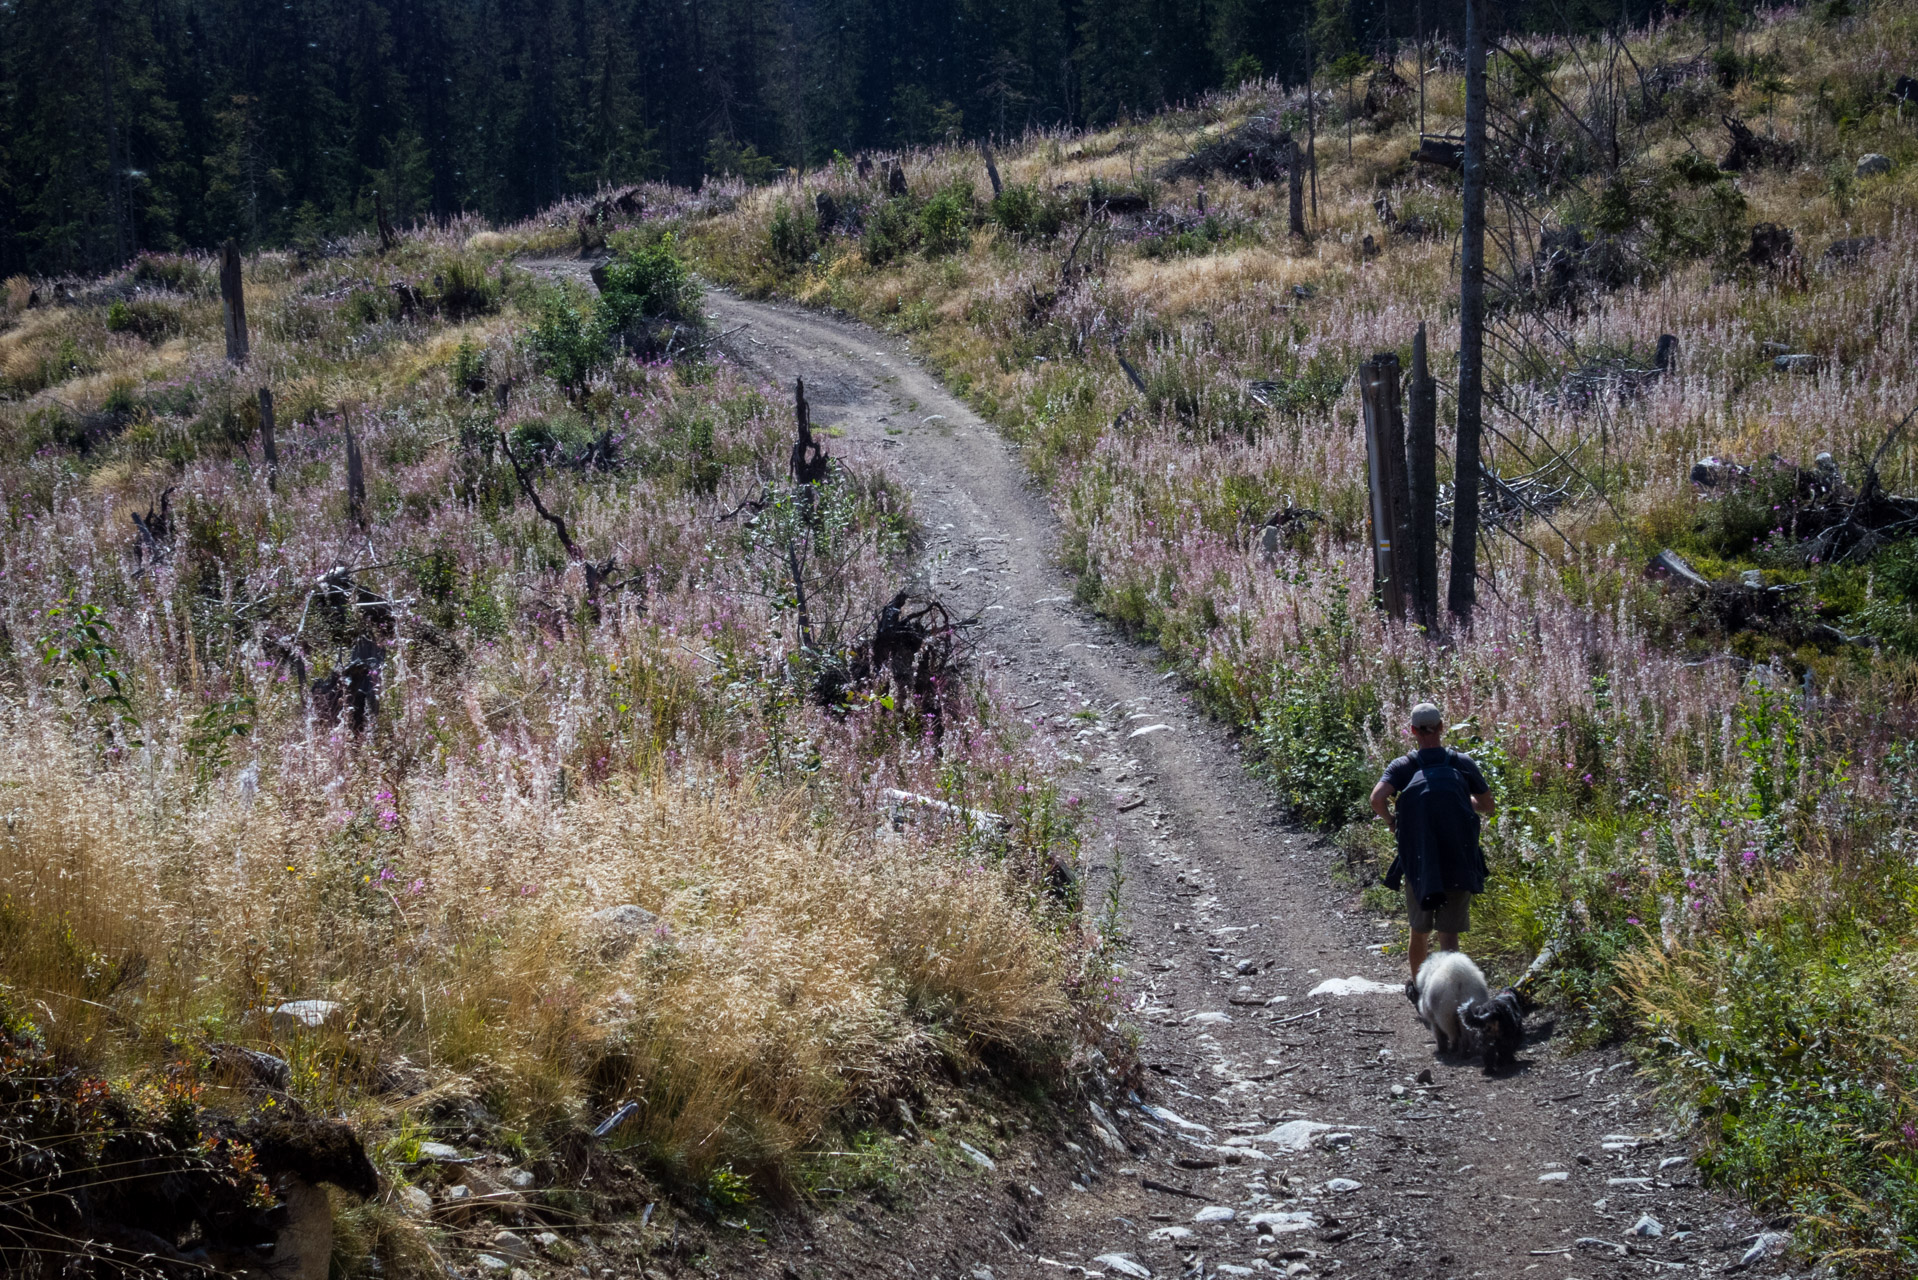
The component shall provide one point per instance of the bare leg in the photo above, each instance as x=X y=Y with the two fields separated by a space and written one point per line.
x=1446 y=942
x=1421 y=944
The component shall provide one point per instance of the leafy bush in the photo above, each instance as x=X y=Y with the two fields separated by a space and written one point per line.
x=177 y=272
x=793 y=235
x=1024 y=210
x=892 y=229
x=945 y=224
x=647 y=281
x=569 y=346
x=151 y=318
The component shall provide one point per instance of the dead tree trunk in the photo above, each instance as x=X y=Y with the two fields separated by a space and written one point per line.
x=992 y=171
x=810 y=465
x=233 y=303
x=1312 y=140
x=355 y=477
x=1385 y=465
x=1421 y=477
x=1462 y=594
x=387 y=238
x=267 y=443
x=1295 y=189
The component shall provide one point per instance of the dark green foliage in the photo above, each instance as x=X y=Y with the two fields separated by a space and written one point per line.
x=1891 y=617
x=1024 y=210
x=647 y=281
x=565 y=340
x=892 y=229
x=151 y=318
x=945 y=223
x=792 y=236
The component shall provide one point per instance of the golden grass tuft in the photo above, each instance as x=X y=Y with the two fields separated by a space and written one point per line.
x=794 y=970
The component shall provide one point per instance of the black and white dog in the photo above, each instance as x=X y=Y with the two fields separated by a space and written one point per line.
x=1464 y=1014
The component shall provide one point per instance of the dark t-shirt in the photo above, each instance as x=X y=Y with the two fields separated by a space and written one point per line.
x=1398 y=774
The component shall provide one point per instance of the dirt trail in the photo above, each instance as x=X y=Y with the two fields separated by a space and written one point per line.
x=1234 y=922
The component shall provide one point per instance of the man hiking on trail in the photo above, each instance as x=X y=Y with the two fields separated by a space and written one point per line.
x=1441 y=794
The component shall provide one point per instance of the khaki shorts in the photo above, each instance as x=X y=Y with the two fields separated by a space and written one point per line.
x=1453 y=916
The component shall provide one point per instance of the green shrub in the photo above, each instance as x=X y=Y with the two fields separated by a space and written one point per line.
x=569 y=346
x=945 y=224
x=151 y=318
x=464 y=289
x=647 y=281
x=892 y=229
x=793 y=235
x=1023 y=210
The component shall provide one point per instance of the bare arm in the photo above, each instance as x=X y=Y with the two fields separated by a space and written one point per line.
x=1482 y=802
x=1382 y=803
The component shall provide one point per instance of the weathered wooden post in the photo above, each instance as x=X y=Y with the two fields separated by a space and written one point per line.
x=233 y=303
x=992 y=170
x=1385 y=468
x=267 y=443
x=1462 y=595
x=1421 y=477
x=1295 y=188
x=355 y=475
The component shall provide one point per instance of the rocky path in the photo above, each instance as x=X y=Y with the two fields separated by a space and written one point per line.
x=1297 y=1120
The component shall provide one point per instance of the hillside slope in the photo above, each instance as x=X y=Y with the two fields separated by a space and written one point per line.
x=1707 y=791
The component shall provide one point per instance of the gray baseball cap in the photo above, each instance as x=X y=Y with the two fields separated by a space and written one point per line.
x=1426 y=715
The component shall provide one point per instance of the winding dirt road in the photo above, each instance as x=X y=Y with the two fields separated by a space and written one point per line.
x=1298 y=1121
x=1236 y=929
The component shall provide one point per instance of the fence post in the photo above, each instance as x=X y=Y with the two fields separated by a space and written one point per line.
x=1385 y=472
x=233 y=302
x=267 y=443
x=1421 y=475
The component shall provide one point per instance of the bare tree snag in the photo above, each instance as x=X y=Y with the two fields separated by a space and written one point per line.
x=810 y=465
x=1462 y=595
x=526 y=487
x=267 y=444
x=1385 y=468
x=387 y=238
x=355 y=476
x=233 y=303
x=992 y=171
x=1421 y=476
x=1295 y=189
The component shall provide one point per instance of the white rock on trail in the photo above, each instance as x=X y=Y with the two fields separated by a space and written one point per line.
x=977 y=1156
x=414 y=1201
x=1560 y=1176
x=1343 y=1185
x=1293 y=1135
x=1282 y=1222
x=1169 y=1233
x=1123 y=1264
x=1648 y=1226
x=1172 y=1118
x=438 y=1151
x=1215 y=1213
x=1355 y=986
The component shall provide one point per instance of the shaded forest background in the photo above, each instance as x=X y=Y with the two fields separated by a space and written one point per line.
x=128 y=125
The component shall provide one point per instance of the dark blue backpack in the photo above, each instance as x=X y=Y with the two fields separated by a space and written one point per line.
x=1438 y=834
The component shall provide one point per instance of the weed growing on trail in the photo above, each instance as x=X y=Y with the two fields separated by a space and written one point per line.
x=1699 y=803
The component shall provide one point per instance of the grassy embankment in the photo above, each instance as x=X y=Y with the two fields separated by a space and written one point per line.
x=195 y=832
x=1708 y=817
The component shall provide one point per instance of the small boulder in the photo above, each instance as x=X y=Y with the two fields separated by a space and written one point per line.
x=438 y=1153
x=1871 y=164
x=1215 y=1213
x=510 y=1244
x=491 y=1265
x=1124 y=1264
x=1648 y=1227
x=1342 y=1185
x=1764 y=1245
x=414 y=1201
